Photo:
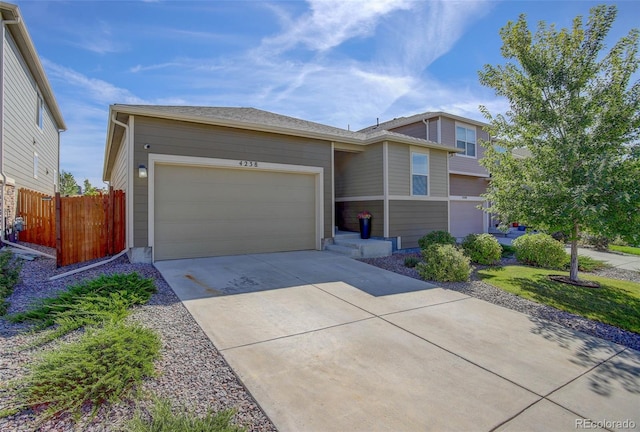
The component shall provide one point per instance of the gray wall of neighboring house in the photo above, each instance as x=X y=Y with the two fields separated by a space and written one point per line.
x=412 y=219
x=119 y=171
x=466 y=185
x=192 y=139
x=359 y=174
x=22 y=135
x=347 y=215
x=418 y=130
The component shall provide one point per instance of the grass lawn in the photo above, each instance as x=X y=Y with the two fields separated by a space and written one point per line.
x=616 y=302
x=625 y=249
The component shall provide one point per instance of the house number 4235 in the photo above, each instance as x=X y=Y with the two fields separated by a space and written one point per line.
x=252 y=164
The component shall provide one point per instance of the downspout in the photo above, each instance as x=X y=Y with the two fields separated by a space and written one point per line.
x=426 y=124
x=2 y=173
x=129 y=162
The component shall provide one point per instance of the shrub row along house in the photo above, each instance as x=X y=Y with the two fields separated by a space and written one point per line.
x=30 y=117
x=207 y=181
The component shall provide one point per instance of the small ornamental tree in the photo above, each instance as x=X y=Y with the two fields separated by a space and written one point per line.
x=575 y=113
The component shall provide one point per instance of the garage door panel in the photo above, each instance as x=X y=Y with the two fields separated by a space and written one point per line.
x=203 y=211
x=466 y=218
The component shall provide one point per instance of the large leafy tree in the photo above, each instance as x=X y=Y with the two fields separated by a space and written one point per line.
x=575 y=114
x=67 y=184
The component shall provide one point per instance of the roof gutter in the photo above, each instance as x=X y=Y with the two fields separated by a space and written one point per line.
x=2 y=173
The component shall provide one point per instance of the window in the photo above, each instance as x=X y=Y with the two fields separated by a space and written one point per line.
x=419 y=174
x=35 y=165
x=466 y=140
x=40 y=113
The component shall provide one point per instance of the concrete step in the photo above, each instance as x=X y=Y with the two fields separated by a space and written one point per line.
x=369 y=248
x=352 y=252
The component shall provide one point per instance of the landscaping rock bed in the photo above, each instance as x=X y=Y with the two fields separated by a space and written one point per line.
x=476 y=288
x=190 y=372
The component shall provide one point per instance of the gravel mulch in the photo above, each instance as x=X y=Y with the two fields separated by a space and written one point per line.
x=191 y=372
x=476 y=288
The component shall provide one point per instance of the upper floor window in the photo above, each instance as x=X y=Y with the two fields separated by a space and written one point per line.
x=466 y=140
x=40 y=113
x=419 y=174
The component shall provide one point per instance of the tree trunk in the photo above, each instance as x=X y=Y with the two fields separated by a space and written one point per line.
x=573 y=269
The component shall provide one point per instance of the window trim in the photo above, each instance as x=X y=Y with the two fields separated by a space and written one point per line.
x=411 y=174
x=36 y=162
x=40 y=112
x=466 y=126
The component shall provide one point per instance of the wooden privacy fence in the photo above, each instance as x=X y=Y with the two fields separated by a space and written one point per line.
x=39 y=214
x=81 y=228
x=89 y=227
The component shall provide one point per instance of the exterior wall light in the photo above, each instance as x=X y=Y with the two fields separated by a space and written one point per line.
x=142 y=171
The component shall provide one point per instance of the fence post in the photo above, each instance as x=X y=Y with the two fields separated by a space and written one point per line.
x=58 y=230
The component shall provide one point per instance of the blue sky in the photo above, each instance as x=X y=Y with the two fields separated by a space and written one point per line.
x=342 y=63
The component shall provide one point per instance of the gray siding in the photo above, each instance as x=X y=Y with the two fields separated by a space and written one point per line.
x=410 y=220
x=192 y=139
x=463 y=163
x=399 y=170
x=347 y=216
x=119 y=171
x=438 y=173
x=22 y=136
x=359 y=174
x=467 y=185
x=418 y=130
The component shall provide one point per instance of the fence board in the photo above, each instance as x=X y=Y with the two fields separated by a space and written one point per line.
x=80 y=228
x=38 y=212
x=90 y=227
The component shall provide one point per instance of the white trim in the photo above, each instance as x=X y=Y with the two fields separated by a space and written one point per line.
x=440 y=130
x=385 y=184
x=361 y=198
x=416 y=198
x=129 y=142
x=333 y=189
x=469 y=174
x=163 y=159
x=466 y=198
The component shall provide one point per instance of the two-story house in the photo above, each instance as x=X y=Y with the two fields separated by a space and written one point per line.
x=467 y=178
x=30 y=117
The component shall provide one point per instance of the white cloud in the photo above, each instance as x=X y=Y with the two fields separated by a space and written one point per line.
x=330 y=23
x=98 y=90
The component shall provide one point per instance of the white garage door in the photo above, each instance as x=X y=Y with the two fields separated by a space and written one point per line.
x=204 y=211
x=466 y=218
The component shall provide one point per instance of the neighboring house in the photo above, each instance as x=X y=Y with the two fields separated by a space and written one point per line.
x=467 y=178
x=30 y=117
x=206 y=181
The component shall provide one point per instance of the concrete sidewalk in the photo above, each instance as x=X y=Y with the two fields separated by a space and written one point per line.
x=326 y=343
x=622 y=261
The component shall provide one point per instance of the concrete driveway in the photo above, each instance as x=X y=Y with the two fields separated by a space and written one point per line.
x=327 y=343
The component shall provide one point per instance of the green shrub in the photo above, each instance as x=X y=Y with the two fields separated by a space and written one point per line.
x=411 y=261
x=436 y=237
x=103 y=366
x=106 y=298
x=507 y=251
x=540 y=250
x=444 y=263
x=9 y=275
x=163 y=419
x=482 y=248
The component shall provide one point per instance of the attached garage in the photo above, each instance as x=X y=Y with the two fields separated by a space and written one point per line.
x=217 y=209
x=466 y=218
